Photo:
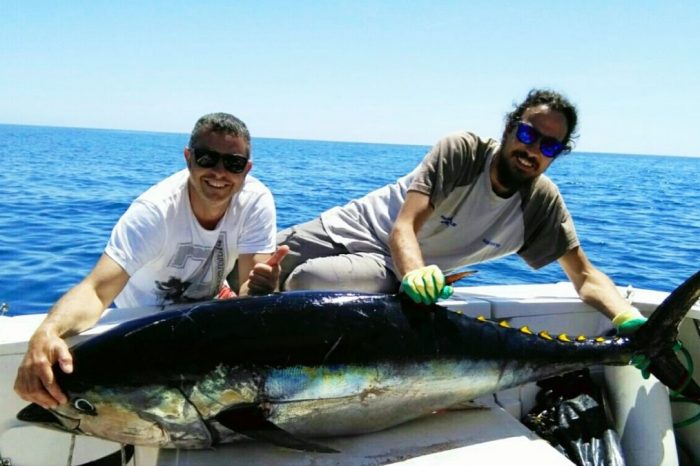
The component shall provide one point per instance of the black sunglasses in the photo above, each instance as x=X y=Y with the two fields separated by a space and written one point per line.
x=549 y=146
x=206 y=158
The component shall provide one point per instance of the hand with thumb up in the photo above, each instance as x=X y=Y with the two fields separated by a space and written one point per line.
x=264 y=276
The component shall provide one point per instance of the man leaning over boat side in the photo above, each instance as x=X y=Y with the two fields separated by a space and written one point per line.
x=470 y=200
x=175 y=243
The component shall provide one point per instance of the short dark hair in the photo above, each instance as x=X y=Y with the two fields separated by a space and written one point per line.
x=220 y=123
x=553 y=100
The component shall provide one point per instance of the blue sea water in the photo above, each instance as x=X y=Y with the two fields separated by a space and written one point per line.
x=62 y=190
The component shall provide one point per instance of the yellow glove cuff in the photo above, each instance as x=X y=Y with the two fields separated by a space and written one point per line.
x=627 y=316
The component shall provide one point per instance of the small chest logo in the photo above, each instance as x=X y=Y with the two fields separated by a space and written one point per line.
x=447 y=221
x=488 y=242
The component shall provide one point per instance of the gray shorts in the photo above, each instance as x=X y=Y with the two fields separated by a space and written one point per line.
x=315 y=262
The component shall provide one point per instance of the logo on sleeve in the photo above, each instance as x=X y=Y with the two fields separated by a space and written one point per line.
x=448 y=221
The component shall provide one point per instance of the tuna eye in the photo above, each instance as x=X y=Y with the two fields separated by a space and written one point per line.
x=84 y=406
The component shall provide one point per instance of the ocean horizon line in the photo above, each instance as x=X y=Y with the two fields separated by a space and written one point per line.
x=141 y=131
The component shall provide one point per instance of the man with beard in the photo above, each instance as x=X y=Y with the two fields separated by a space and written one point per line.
x=470 y=200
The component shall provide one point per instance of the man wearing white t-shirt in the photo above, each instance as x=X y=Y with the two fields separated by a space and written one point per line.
x=470 y=200
x=176 y=243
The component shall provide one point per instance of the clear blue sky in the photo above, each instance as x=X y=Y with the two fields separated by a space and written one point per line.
x=376 y=71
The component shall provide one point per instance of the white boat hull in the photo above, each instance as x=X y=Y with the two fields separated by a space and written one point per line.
x=472 y=436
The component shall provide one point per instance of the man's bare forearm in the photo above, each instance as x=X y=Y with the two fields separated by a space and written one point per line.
x=405 y=250
x=599 y=291
x=79 y=309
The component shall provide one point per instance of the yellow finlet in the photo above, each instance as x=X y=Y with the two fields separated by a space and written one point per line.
x=526 y=330
x=564 y=337
x=504 y=324
x=481 y=319
x=581 y=338
x=600 y=340
x=545 y=334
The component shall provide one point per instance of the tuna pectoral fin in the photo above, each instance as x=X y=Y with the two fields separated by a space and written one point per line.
x=250 y=420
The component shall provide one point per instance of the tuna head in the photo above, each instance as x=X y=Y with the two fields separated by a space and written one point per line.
x=155 y=416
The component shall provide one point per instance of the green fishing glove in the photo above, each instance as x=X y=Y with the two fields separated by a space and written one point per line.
x=626 y=324
x=426 y=285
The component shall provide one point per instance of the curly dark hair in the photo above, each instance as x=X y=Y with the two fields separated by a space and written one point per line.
x=554 y=101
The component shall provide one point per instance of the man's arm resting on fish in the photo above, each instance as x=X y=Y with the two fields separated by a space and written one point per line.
x=77 y=310
x=596 y=289
x=422 y=283
x=593 y=286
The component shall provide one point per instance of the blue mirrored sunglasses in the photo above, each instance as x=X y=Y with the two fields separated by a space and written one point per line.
x=549 y=146
x=206 y=158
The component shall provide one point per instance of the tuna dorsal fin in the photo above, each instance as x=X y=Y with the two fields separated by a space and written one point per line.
x=450 y=279
x=250 y=420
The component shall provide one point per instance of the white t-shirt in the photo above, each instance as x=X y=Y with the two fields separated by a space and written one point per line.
x=171 y=258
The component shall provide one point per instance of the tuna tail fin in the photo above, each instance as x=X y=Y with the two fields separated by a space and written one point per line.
x=668 y=369
x=657 y=337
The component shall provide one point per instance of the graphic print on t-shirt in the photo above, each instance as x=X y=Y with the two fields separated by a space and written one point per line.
x=203 y=282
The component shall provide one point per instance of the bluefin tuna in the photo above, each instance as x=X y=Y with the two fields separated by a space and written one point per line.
x=291 y=366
